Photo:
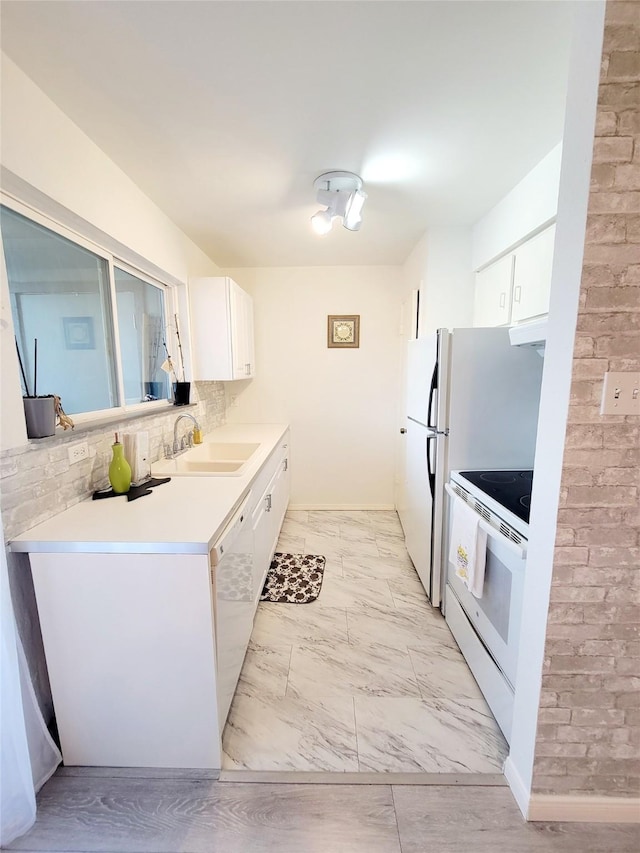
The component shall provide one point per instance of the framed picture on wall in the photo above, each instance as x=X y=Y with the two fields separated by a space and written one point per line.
x=343 y=330
x=78 y=333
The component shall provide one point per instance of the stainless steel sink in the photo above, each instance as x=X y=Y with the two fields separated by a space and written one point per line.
x=213 y=458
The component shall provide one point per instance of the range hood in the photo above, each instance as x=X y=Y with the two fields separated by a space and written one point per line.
x=533 y=333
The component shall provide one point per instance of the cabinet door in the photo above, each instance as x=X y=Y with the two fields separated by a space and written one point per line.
x=211 y=343
x=279 y=499
x=249 y=342
x=532 y=276
x=261 y=545
x=241 y=332
x=493 y=294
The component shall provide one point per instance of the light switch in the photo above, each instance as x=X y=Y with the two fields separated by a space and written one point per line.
x=621 y=394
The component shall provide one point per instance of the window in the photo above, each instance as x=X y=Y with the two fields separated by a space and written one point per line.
x=100 y=325
x=141 y=325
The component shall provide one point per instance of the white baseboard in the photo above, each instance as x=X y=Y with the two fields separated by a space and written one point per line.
x=342 y=507
x=583 y=808
x=518 y=788
x=570 y=807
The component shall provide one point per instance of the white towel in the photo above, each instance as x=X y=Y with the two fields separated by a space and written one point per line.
x=468 y=550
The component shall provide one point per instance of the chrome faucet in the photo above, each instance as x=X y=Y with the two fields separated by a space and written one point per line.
x=177 y=448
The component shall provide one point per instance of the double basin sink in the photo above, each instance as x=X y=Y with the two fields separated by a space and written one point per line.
x=214 y=457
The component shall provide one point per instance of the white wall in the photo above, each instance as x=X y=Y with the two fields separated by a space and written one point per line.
x=49 y=163
x=530 y=205
x=342 y=404
x=440 y=268
x=565 y=288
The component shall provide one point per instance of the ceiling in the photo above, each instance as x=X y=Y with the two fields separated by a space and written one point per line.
x=224 y=113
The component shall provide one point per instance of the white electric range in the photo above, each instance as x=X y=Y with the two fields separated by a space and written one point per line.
x=487 y=629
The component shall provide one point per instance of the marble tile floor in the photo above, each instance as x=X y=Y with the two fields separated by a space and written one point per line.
x=365 y=679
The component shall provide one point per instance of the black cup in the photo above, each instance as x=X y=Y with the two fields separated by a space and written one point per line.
x=181 y=393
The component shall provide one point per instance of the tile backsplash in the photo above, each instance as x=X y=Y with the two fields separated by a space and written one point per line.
x=37 y=480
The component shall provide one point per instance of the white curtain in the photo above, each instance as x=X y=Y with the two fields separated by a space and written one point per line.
x=28 y=755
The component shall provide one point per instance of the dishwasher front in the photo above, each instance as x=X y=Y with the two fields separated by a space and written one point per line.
x=231 y=560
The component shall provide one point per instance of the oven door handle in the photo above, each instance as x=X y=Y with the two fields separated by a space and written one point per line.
x=519 y=550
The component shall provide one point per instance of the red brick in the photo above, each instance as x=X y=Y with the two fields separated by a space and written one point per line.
x=619 y=476
x=603 y=253
x=620 y=37
x=633 y=228
x=566 y=682
x=629 y=122
x=613 y=149
x=602 y=177
x=606 y=123
x=618 y=346
x=597 y=275
x=622 y=12
x=600 y=324
x=619 y=94
x=624 y=63
x=588 y=517
x=584 y=436
x=612 y=556
x=576 y=593
x=606 y=458
x=627 y=176
x=583 y=391
x=607 y=614
x=605 y=536
x=600 y=717
x=620 y=202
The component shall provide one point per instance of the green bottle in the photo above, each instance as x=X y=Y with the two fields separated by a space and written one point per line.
x=119 y=470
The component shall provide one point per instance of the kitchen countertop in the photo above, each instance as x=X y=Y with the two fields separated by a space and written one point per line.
x=184 y=516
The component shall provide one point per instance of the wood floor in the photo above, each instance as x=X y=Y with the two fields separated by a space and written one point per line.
x=99 y=810
x=193 y=815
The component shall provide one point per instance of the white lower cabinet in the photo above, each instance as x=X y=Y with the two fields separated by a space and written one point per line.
x=129 y=643
x=144 y=650
x=268 y=516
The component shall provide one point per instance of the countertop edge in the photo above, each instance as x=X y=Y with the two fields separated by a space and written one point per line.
x=31 y=542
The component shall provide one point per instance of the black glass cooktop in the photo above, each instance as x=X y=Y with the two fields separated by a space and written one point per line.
x=511 y=489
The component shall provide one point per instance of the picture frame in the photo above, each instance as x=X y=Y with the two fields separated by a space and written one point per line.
x=343 y=331
x=78 y=333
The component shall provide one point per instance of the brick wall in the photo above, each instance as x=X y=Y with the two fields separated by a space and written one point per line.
x=37 y=480
x=588 y=739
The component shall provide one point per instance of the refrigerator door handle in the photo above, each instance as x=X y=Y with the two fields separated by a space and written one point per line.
x=431 y=474
x=432 y=393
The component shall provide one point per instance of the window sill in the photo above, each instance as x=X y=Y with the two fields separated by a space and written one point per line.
x=84 y=427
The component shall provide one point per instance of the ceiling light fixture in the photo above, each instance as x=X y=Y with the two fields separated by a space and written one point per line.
x=343 y=197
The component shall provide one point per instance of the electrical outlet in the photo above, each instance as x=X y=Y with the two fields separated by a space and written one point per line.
x=78 y=452
x=621 y=393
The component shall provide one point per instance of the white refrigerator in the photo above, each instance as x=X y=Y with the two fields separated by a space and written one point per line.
x=471 y=403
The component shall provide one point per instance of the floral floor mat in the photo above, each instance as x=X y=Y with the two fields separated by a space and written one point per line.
x=293 y=578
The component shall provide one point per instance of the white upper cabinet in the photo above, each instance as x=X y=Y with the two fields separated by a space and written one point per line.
x=516 y=287
x=221 y=329
x=492 y=305
x=532 y=276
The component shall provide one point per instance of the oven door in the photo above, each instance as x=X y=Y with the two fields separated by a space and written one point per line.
x=496 y=617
